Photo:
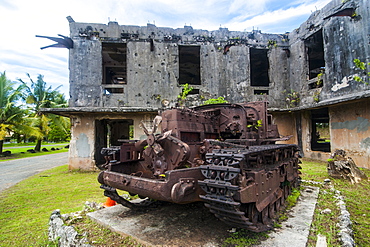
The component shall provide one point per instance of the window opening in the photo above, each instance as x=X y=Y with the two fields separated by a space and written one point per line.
x=114 y=67
x=261 y=92
x=320 y=135
x=111 y=132
x=194 y=91
x=189 y=65
x=315 y=52
x=259 y=67
x=351 y=12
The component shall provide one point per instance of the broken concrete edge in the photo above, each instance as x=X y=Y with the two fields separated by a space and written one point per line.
x=66 y=235
x=345 y=224
x=113 y=227
x=63 y=234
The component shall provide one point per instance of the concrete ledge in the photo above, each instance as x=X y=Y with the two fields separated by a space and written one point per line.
x=194 y=225
x=166 y=225
x=295 y=231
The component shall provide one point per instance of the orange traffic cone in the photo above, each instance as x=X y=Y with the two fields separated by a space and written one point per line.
x=109 y=203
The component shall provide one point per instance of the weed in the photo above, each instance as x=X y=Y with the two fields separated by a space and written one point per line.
x=292 y=98
x=215 y=101
x=316 y=96
x=362 y=67
x=271 y=44
x=257 y=125
x=292 y=198
x=319 y=81
x=156 y=96
x=186 y=89
x=325 y=223
x=244 y=238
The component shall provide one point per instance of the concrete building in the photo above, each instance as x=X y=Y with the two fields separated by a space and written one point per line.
x=121 y=75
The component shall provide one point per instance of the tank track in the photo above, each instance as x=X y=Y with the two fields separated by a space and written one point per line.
x=223 y=173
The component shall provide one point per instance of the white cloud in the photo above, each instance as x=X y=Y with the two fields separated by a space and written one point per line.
x=270 y=20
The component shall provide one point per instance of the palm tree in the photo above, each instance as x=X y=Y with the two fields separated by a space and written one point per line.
x=38 y=95
x=12 y=117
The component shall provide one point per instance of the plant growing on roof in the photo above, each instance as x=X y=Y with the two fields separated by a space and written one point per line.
x=156 y=96
x=271 y=43
x=316 y=97
x=362 y=67
x=319 y=81
x=215 y=101
x=292 y=98
x=186 y=89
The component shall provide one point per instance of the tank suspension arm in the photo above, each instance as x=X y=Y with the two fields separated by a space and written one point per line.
x=112 y=194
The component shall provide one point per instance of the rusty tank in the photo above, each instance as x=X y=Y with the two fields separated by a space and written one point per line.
x=224 y=155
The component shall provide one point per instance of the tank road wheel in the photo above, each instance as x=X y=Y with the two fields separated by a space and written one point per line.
x=278 y=204
x=287 y=190
x=253 y=213
x=272 y=212
x=266 y=220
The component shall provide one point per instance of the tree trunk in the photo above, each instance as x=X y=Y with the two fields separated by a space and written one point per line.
x=1 y=146
x=38 y=146
x=343 y=167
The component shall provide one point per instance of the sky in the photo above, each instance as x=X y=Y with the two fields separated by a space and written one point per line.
x=21 y=20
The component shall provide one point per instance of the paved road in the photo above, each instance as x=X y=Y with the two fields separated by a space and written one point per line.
x=14 y=171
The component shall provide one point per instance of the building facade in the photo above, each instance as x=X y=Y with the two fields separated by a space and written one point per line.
x=121 y=75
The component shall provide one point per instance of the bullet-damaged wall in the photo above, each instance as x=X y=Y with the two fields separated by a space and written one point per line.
x=309 y=71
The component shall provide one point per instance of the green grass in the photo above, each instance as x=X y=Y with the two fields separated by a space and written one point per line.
x=244 y=238
x=31 y=144
x=26 y=207
x=314 y=170
x=325 y=224
x=356 y=197
x=21 y=152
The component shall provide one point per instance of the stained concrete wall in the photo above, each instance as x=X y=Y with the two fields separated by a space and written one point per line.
x=345 y=38
x=85 y=77
x=286 y=123
x=153 y=61
x=153 y=74
x=82 y=144
x=153 y=64
x=350 y=130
